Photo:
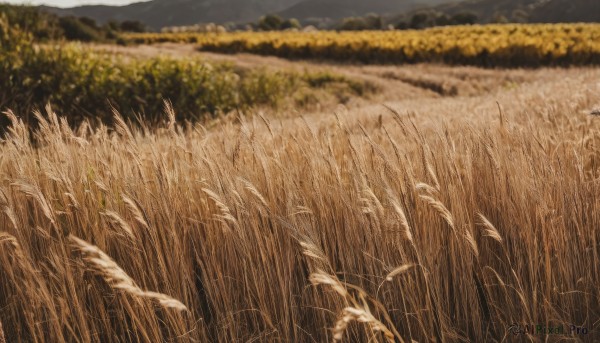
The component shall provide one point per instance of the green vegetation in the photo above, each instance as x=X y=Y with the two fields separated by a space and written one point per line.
x=41 y=25
x=426 y=19
x=83 y=83
x=45 y=26
x=273 y=22
x=370 y=22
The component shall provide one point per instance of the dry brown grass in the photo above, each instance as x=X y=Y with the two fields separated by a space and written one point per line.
x=448 y=225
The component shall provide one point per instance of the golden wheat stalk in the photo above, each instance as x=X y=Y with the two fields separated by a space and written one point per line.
x=101 y=264
x=12 y=241
x=440 y=209
x=136 y=210
x=471 y=242
x=115 y=219
x=350 y=314
x=252 y=189
x=226 y=215
x=7 y=210
x=121 y=126
x=490 y=229
x=8 y=238
x=170 y=111
x=425 y=152
x=421 y=186
x=322 y=278
x=2 y=338
x=312 y=251
x=17 y=132
x=397 y=271
x=34 y=192
x=403 y=220
x=372 y=202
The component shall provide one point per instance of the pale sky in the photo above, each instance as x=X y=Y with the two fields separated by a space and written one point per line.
x=70 y=3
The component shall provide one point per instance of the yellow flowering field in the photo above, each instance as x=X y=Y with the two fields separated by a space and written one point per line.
x=510 y=45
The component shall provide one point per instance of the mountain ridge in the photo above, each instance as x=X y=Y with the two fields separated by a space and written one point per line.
x=532 y=11
x=338 y=9
x=161 y=13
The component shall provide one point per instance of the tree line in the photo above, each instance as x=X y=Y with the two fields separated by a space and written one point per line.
x=372 y=21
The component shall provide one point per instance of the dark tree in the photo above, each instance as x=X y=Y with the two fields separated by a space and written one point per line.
x=74 y=29
x=353 y=24
x=421 y=20
x=270 y=22
x=133 y=26
x=89 y=22
x=443 y=20
x=465 y=18
x=292 y=23
x=374 y=21
x=113 y=25
x=402 y=25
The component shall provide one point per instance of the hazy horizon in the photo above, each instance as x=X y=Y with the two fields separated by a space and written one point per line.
x=69 y=3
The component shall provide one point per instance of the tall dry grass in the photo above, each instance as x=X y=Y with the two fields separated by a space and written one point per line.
x=305 y=231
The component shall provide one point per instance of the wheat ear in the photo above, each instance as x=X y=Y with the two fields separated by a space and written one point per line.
x=101 y=264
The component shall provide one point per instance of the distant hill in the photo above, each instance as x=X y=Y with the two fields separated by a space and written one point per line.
x=535 y=11
x=337 y=9
x=160 y=13
x=556 y=11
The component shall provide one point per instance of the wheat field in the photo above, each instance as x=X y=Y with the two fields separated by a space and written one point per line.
x=441 y=220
